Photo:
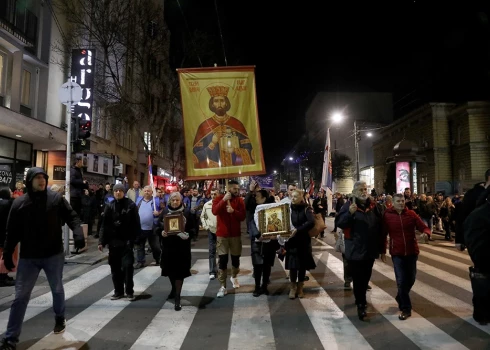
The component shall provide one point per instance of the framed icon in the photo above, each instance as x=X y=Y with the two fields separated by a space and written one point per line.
x=173 y=224
x=275 y=221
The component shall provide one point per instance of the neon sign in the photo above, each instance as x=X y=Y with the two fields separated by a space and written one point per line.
x=82 y=73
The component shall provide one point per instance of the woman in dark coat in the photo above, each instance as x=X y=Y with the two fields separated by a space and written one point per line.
x=175 y=261
x=299 y=257
x=263 y=251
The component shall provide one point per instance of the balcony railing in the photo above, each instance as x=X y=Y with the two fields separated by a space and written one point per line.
x=16 y=19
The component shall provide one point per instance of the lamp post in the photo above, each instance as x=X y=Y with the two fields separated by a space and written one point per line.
x=300 y=175
x=337 y=117
x=356 y=150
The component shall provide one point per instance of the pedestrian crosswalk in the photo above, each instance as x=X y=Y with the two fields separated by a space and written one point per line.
x=325 y=318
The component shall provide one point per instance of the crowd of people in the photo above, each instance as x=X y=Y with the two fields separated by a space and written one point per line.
x=129 y=218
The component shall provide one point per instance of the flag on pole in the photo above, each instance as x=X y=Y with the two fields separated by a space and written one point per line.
x=312 y=187
x=327 y=165
x=150 y=182
x=210 y=188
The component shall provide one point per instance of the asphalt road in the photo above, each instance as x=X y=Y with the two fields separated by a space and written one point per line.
x=325 y=318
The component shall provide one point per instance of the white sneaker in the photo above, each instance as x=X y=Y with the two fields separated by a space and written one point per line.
x=212 y=277
x=425 y=238
x=235 y=283
x=222 y=292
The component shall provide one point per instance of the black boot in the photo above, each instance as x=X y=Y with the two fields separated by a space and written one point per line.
x=177 y=306
x=257 y=291
x=264 y=290
x=361 y=311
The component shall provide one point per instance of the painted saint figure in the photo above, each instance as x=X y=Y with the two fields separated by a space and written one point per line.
x=221 y=140
x=274 y=224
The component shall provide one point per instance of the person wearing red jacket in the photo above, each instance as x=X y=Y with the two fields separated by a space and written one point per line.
x=400 y=224
x=229 y=210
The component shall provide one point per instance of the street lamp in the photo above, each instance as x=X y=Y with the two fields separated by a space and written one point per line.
x=337 y=117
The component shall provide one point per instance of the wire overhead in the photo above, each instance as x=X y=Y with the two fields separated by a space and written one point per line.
x=220 y=32
x=190 y=34
x=55 y=18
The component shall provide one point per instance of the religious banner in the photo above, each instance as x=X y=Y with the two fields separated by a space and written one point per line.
x=221 y=125
x=264 y=181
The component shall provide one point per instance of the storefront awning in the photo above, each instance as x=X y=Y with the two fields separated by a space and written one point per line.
x=42 y=135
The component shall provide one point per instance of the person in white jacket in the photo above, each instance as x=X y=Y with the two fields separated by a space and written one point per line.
x=209 y=223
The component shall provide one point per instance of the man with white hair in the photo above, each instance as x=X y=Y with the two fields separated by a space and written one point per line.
x=148 y=219
x=360 y=219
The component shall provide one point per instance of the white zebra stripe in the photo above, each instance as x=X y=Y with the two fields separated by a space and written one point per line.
x=251 y=324
x=169 y=328
x=437 y=297
x=72 y=288
x=86 y=324
x=333 y=327
x=420 y=331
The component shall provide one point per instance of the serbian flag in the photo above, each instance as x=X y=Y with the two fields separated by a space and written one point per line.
x=210 y=188
x=150 y=181
x=327 y=165
x=312 y=187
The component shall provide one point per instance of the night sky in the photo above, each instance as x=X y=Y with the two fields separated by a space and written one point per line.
x=417 y=52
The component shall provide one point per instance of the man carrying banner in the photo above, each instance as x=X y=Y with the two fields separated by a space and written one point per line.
x=221 y=140
x=230 y=212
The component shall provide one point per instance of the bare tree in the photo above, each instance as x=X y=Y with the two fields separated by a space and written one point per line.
x=341 y=166
x=133 y=81
x=174 y=152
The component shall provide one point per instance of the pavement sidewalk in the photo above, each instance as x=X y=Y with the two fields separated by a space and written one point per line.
x=91 y=256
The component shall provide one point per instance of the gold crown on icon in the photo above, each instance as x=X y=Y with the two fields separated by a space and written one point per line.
x=218 y=90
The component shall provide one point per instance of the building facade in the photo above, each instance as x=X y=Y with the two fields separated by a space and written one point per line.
x=454 y=139
x=31 y=116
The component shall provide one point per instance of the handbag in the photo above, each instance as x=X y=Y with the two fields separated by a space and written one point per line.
x=319 y=225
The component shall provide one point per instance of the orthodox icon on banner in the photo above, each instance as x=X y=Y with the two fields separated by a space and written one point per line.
x=221 y=128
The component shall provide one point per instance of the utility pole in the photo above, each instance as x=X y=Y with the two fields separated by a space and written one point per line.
x=69 y=94
x=356 y=149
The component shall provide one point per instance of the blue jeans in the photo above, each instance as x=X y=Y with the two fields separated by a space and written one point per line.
x=405 y=273
x=27 y=274
x=428 y=222
x=212 y=253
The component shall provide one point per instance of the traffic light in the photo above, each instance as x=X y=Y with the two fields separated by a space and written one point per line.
x=84 y=127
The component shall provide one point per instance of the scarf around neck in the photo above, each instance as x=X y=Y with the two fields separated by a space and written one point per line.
x=172 y=210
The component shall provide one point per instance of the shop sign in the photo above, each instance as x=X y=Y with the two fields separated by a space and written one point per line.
x=5 y=177
x=59 y=172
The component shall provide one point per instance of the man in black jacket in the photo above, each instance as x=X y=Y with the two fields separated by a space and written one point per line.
x=77 y=185
x=35 y=220
x=472 y=199
x=477 y=239
x=121 y=224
